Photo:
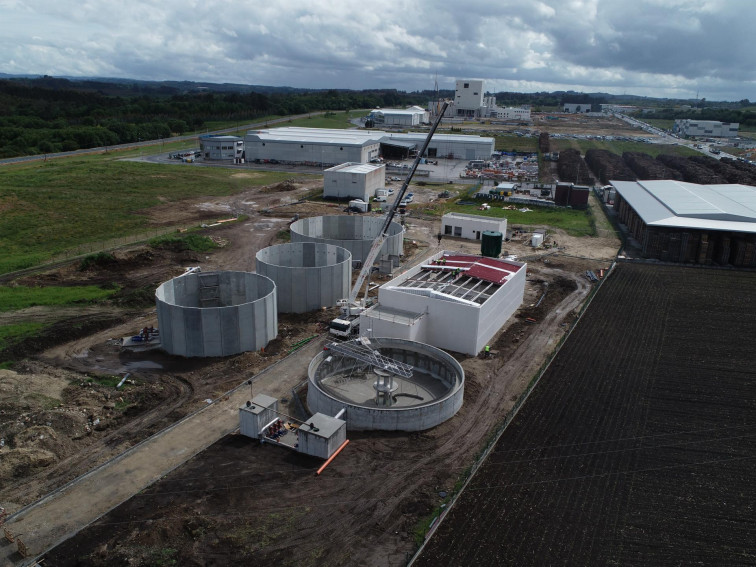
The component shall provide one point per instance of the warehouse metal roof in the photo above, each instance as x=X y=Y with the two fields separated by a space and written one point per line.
x=678 y=204
x=299 y=135
x=408 y=111
x=352 y=167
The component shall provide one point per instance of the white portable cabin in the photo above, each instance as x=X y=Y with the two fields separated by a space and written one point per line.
x=471 y=227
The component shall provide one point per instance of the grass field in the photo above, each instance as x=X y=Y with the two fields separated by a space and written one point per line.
x=576 y=223
x=49 y=207
x=20 y=297
x=338 y=120
x=517 y=143
x=661 y=123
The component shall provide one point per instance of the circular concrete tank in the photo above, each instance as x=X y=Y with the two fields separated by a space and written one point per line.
x=216 y=313
x=356 y=233
x=308 y=275
x=376 y=399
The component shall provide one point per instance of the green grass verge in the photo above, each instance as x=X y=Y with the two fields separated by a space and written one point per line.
x=20 y=297
x=178 y=243
x=11 y=334
x=662 y=123
x=573 y=221
x=51 y=207
x=332 y=119
x=516 y=143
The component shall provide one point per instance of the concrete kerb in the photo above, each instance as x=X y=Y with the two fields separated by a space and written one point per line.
x=20 y=513
x=507 y=420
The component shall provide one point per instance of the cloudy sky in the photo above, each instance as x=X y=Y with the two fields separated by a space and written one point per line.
x=673 y=48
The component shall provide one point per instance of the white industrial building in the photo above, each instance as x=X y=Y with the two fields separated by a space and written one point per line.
x=705 y=128
x=332 y=147
x=468 y=98
x=514 y=114
x=354 y=180
x=456 y=302
x=408 y=117
x=312 y=145
x=463 y=225
x=577 y=107
x=221 y=147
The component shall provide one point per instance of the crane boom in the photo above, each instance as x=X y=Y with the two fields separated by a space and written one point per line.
x=381 y=238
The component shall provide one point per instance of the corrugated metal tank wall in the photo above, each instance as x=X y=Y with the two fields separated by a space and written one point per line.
x=308 y=275
x=353 y=232
x=216 y=313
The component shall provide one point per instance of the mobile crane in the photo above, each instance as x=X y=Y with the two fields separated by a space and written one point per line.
x=348 y=323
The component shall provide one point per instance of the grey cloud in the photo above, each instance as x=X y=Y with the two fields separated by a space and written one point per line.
x=654 y=47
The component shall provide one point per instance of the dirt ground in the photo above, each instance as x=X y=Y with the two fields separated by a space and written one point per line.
x=61 y=415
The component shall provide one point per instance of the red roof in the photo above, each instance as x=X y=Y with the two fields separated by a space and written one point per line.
x=483 y=268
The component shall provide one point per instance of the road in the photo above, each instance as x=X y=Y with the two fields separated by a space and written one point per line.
x=60 y=515
x=670 y=139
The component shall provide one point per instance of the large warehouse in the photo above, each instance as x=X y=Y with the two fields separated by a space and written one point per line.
x=705 y=128
x=453 y=301
x=407 y=117
x=331 y=147
x=676 y=221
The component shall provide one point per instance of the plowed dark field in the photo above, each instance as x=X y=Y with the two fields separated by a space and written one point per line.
x=638 y=445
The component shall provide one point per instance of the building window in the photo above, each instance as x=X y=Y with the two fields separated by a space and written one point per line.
x=457 y=231
x=447 y=229
x=467 y=85
x=301 y=145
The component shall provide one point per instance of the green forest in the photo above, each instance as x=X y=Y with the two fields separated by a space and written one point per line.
x=39 y=120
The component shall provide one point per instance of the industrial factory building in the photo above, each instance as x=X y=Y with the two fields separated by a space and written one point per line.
x=674 y=221
x=407 y=117
x=471 y=227
x=578 y=107
x=453 y=301
x=353 y=181
x=320 y=146
x=705 y=128
x=329 y=147
x=221 y=147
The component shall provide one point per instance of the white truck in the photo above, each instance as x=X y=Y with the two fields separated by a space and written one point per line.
x=345 y=327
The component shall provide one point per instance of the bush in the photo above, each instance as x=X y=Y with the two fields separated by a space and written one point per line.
x=100 y=259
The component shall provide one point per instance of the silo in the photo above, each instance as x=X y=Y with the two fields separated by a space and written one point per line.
x=308 y=275
x=490 y=244
x=216 y=313
x=356 y=233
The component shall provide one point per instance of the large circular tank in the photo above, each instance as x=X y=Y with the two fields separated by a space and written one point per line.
x=375 y=398
x=216 y=313
x=308 y=275
x=356 y=233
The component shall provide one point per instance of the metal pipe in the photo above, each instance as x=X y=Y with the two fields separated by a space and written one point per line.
x=341 y=412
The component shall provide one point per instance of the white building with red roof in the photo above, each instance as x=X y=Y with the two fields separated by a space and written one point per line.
x=453 y=301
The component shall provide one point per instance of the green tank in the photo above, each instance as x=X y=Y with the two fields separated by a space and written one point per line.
x=490 y=243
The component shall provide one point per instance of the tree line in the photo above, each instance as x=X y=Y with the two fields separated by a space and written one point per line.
x=38 y=119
